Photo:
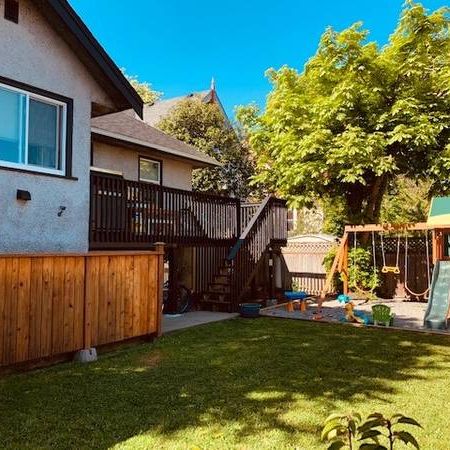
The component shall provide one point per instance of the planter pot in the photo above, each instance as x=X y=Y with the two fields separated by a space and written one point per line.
x=249 y=310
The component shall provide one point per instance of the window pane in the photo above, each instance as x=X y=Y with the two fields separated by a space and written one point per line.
x=12 y=126
x=43 y=135
x=149 y=170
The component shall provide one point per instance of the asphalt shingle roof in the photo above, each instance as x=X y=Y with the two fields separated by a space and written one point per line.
x=125 y=126
x=154 y=113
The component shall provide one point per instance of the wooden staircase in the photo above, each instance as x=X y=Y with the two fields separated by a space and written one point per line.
x=266 y=228
x=218 y=295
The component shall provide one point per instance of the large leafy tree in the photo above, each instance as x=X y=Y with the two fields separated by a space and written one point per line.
x=359 y=116
x=204 y=126
x=144 y=89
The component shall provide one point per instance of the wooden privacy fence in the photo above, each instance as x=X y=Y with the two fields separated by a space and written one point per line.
x=56 y=304
x=304 y=261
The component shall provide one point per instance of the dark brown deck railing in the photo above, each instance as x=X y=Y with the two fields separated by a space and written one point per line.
x=267 y=227
x=131 y=214
x=248 y=210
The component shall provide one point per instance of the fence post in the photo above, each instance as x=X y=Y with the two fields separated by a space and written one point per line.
x=159 y=306
x=87 y=354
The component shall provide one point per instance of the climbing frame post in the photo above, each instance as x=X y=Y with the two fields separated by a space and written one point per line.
x=336 y=265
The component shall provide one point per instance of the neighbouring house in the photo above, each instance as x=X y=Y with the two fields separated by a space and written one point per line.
x=155 y=112
x=87 y=191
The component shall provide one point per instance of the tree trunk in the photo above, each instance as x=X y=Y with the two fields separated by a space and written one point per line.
x=376 y=194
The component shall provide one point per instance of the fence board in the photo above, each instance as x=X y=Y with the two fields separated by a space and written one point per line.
x=55 y=304
x=304 y=261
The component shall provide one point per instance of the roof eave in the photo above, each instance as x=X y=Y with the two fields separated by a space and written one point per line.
x=201 y=163
x=71 y=20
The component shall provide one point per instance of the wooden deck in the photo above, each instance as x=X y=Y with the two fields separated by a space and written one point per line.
x=132 y=215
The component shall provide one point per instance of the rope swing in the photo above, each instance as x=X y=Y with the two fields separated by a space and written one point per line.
x=374 y=259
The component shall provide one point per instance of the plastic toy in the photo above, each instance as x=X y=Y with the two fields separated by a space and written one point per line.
x=343 y=298
x=296 y=299
x=295 y=295
x=382 y=315
x=353 y=316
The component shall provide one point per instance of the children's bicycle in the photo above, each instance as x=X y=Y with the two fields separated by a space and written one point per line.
x=177 y=300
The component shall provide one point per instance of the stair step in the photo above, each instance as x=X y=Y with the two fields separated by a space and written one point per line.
x=225 y=271
x=219 y=288
x=222 y=279
x=219 y=296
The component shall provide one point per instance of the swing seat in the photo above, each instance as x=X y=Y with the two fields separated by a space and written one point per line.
x=390 y=269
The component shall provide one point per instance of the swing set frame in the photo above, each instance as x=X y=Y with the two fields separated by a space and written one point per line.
x=340 y=263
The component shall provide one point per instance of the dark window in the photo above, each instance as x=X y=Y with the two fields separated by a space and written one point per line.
x=12 y=10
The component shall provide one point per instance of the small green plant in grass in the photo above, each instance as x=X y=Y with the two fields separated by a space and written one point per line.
x=341 y=430
x=378 y=427
x=348 y=431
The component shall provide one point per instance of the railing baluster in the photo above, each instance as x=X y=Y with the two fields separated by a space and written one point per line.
x=133 y=214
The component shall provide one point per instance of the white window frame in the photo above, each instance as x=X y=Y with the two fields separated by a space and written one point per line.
x=61 y=134
x=159 y=170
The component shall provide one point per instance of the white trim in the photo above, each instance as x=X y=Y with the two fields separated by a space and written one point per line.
x=30 y=167
x=111 y=172
x=61 y=126
x=122 y=137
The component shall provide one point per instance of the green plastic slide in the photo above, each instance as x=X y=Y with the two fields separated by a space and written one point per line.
x=439 y=302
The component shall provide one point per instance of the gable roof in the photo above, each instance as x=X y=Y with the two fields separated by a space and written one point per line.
x=126 y=128
x=62 y=17
x=154 y=113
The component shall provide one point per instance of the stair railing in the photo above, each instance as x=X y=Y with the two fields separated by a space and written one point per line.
x=267 y=226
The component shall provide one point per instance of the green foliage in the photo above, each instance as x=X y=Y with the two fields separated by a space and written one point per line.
x=406 y=201
x=341 y=430
x=359 y=116
x=328 y=263
x=204 y=126
x=309 y=220
x=361 y=271
x=144 y=89
x=347 y=431
x=335 y=215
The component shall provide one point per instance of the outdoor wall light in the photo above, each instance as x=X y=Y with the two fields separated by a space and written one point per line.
x=23 y=195
x=61 y=210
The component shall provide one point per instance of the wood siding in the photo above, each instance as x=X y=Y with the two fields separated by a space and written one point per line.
x=55 y=304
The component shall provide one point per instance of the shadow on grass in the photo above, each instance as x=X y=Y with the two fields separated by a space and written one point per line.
x=247 y=375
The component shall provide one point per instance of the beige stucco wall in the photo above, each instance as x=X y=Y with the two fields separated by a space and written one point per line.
x=176 y=173
x=31 y=52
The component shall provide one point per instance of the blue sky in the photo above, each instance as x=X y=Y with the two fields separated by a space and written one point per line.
x=178 y=45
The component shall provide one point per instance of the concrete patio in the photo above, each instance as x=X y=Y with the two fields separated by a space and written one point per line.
x=192 y=319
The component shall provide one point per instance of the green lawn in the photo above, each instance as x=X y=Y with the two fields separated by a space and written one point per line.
x=262 y=384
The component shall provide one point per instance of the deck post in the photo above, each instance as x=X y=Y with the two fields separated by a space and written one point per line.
x=238 y=218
